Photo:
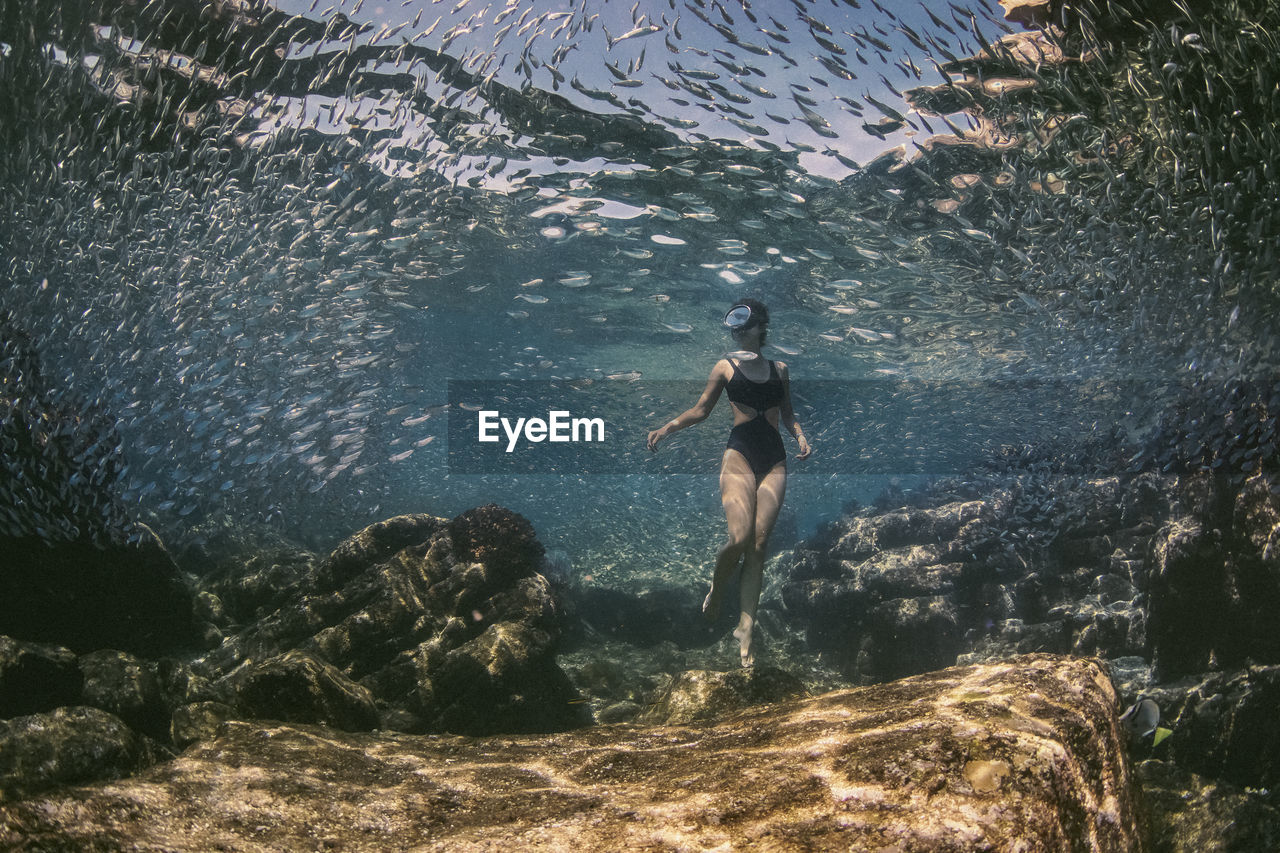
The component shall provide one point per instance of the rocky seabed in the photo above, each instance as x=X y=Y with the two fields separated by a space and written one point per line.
x=439 y=684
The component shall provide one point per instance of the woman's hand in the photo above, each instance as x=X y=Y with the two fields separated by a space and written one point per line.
x=805 y=449
x=656 y=436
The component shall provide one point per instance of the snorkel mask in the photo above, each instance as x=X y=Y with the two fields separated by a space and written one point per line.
x=739 y=318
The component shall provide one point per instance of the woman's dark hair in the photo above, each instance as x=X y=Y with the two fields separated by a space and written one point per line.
x=759 y=316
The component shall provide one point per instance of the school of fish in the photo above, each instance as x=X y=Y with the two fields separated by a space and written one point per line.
x=243 y=248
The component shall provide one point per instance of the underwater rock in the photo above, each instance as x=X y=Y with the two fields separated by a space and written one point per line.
x=295 y=686
x=1020 y=755
x=377 y=543
x=619 y=712
x=1011 y=637
x=905 y=636
x=220 y=544
x=618 y=679
x=705 y=695
x=506 y=679
x=447 y=624
x=502 y=540
x=908 y=590
x=1257 y=516
x=1190 y=600
x=66 y=747
x=36 y=678
x=123 y=685
x=1224 y=726
x=198 y=721
x=1131 y=676
x=83 y=597
x=256 y=587
x=875 y=592
x=1192 y=814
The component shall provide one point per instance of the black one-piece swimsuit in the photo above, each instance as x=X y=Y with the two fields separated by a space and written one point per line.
x=757 y=439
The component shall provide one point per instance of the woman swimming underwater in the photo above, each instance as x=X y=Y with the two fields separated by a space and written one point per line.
x=753 y=470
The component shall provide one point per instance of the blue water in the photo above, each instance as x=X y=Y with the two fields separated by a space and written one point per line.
x=272 y=320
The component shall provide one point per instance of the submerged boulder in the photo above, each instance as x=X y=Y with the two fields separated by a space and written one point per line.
x=35 y=677
x=1224 y=726
x=307 y=691
x=1189 y=599
x=66 y=747
x=1214 y=584
x=1020 y=755
x=706 y=695
x=86 y=597
x=1034 y=567
x=416 y=623
x=198 y=721
x=128 y=687
x=1192 y=814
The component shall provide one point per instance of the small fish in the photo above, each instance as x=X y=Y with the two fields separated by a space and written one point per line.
x=1142 y=717
x=638 y=32
x=750 y=127
x=1030 y=301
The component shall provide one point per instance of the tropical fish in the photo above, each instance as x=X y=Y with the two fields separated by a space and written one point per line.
x=1142 y=719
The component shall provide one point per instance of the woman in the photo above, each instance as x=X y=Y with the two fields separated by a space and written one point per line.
x=753 y=470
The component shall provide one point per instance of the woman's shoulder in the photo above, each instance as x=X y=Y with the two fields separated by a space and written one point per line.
x=782 y=367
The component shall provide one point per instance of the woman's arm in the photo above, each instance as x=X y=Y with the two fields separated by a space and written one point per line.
x=700 y=410
x=788 y=416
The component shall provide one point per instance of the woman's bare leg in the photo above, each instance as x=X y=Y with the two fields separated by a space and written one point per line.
x=738 y=495
x=769 y=495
